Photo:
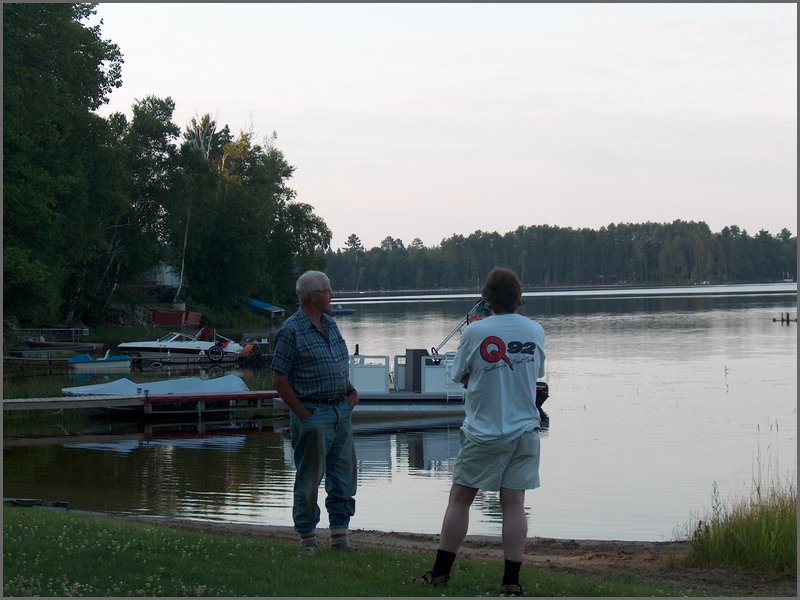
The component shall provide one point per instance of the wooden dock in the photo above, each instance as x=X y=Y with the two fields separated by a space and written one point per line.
x=785 y=318
x=44 y=363
x=149 y=403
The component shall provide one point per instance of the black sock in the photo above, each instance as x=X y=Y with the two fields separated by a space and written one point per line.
x=511 y=572
x=443 y=564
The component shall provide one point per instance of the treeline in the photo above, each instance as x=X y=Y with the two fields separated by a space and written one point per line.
x=647 y=253
x=91 y=204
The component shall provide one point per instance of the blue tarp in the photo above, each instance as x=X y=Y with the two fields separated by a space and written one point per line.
x=264 y=308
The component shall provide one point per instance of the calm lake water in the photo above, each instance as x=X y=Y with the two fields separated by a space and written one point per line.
x=656 y=397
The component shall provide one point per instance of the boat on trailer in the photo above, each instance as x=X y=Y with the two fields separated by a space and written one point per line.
x=178 y=346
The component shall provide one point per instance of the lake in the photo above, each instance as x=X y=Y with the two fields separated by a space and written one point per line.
x=657 y=396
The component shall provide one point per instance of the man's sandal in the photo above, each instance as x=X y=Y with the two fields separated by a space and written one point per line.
x=429 y=579
x=512 y=589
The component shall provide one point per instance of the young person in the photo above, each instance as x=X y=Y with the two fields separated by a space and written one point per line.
x=498 y=361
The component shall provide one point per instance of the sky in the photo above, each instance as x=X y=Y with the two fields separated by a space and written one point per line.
x=428 y=120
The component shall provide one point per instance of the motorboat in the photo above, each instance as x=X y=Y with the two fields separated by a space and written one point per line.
x=179 y=346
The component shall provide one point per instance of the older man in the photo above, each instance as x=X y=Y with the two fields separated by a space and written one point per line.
x=311 y=373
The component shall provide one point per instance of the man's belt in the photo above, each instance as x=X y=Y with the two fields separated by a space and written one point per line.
x=314 y=400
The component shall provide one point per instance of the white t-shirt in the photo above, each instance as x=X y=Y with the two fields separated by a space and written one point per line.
x=503 y=356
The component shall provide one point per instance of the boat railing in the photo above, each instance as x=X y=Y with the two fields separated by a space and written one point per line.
x=453 y=390
x=436 y=371
x=61 y=334
x=400 y=373
x=369 y=373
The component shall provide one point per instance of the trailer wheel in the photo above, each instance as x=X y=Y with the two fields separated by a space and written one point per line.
x=215 y=353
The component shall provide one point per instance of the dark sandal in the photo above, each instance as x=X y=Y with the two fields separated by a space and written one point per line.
x=429 y=579
x=511 y=589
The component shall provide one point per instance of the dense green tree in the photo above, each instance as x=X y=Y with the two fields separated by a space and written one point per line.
x=235 y=217
x=202 y=134
x=150 y=144
x=353 y=244
x=91 y=249
x=56 y=70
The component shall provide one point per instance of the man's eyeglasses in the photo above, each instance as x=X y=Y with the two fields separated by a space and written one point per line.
x=328 y=291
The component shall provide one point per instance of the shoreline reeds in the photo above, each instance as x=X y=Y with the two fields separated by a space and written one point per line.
x=756 y=533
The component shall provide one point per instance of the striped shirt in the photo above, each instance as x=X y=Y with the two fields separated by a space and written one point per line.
x=316 y=364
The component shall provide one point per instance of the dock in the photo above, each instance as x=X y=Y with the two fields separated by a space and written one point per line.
x=36 y=362
x=399 y=405
x=155 y=403
x=785 y=318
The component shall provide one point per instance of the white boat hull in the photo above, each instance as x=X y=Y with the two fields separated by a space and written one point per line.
x=100 y=366
x=438 y=395
x=182 y=347
x=399 y=404
x=172 y=356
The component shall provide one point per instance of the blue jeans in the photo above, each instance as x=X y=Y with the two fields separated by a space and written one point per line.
x=323 y=446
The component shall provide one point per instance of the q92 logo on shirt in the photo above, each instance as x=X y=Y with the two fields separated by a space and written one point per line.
x=493 y=349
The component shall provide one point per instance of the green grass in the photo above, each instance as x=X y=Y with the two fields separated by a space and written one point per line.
x=43 y=423
x=757 y=534
x=38 y=386
x=61 y=553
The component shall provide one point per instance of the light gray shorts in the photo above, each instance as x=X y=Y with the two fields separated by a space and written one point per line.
x=514 y=466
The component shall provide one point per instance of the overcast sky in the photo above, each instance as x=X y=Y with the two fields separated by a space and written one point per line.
x=424 y=121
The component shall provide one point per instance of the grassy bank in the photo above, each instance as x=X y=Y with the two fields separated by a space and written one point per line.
x=757 y=534
x=61 y=553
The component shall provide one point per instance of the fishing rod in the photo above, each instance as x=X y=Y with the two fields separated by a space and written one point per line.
x=479 y=306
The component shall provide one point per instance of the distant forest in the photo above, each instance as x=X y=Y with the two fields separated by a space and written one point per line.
x=680 y=252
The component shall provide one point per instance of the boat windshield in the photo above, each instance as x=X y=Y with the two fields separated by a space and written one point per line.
x=176 y=337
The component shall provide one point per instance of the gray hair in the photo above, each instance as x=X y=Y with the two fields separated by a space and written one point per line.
x=308 y=282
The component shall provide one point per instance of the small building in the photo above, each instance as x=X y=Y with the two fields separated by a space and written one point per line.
x=164 y=275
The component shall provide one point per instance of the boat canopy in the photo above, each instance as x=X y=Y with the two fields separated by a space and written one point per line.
x=183 y=385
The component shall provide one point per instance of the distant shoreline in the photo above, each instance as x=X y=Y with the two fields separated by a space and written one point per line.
x=712 y=287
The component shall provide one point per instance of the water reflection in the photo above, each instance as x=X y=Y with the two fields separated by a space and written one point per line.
x=652 y=402
x=238 y=471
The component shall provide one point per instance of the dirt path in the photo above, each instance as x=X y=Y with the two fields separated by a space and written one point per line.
x=652 y=562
